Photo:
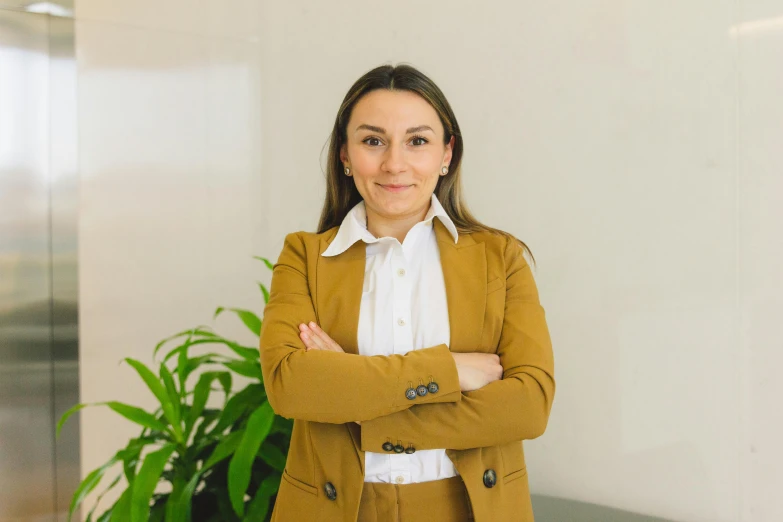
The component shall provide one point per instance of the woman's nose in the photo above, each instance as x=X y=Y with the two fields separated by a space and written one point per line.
x=394 y=159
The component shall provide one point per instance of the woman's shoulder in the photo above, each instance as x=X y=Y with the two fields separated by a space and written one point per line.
x=495 y=239
x=303 y=240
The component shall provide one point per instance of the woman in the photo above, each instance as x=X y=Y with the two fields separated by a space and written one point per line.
x=405 y=338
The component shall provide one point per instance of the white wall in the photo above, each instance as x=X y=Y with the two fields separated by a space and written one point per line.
x=634 y=145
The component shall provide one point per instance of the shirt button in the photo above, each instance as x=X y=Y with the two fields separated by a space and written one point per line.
x=400 y=479
x=400 y=321
x=401 y=272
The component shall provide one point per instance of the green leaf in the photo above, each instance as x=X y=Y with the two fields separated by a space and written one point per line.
x=100 y=497
x=198 y=330
x=272 y=455
x=250 y=319
x=137 y=415
x=225 y=380
x=160 y=392
x=250 y=369
x=206 y=420
x=264 y=291
x=201 y=395
x=182 y=504
x=240 y=467
x=67 y=414
x=250 y=397
x=225 y=449
x=106 y=517
x=121 y=512
x=250 y=354
x=194 y=363
x=212 y=339
x=108 y=513
x=179 y=506
x=147 y=480
x=259 y=506
x=267 y=262
x=243 y=351
x=182 y=364
x=171 y=390
x=130 y=455
x=88 y=484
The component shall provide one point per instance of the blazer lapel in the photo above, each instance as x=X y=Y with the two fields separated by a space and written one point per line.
x=338 y=294
x=464 y=267
x=339 y=282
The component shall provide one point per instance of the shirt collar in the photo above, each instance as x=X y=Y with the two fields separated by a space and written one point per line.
x=354 y=227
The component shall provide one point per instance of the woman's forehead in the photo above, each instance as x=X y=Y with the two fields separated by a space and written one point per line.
x=394 y=111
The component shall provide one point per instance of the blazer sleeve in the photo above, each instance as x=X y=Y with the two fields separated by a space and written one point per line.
x=513 y=408
x=335 y=387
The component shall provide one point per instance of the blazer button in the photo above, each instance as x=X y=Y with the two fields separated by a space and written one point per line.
x=331 y=493
x=490 y=479
x=421 y=390
x=410 y=393
x=410 y=449
x=398 y=448
x=388 y=446
x=433 y=387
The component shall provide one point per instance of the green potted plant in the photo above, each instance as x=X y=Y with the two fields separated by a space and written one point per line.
x=216 y=464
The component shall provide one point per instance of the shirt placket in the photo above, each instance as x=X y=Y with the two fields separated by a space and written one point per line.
x=400 y=464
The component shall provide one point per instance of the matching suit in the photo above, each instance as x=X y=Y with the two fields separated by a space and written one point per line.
x=493 y=307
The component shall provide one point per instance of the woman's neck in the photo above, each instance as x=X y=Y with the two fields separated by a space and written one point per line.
x=380 y=226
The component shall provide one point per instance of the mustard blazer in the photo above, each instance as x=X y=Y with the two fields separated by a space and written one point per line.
x=493 y=307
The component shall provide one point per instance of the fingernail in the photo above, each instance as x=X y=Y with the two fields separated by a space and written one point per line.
x=312 y=324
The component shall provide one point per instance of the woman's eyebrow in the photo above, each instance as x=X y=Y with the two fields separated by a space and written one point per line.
x=381 y=130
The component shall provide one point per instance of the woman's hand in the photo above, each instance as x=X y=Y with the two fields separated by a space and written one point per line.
x=316 y=339
x=476 y=370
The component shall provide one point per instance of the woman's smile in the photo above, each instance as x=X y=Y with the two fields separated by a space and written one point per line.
x=395 y=188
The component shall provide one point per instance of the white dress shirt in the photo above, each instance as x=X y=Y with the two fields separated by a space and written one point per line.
x=403 y=308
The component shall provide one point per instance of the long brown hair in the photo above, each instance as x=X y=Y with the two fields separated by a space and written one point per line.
x=341 y=192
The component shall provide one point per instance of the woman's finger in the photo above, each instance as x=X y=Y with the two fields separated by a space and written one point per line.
x=320 y=337
x=316 y=340
x=328 y=341
x=307 y=337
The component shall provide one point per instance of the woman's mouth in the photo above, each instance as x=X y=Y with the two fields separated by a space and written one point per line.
x=395 y=188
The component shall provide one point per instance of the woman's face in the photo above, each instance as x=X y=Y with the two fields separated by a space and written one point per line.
x=394 y=148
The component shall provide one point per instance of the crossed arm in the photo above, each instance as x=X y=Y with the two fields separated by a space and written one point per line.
x=325 y=386
x=514 y=408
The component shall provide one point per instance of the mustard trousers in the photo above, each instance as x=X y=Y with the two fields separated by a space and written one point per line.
x=444 y=500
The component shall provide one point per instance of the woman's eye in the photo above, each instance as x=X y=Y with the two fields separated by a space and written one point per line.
x=367 y=140
x=423 y=141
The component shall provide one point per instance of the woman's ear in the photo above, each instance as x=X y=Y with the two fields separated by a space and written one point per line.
x=449 y=149
x=343 y=154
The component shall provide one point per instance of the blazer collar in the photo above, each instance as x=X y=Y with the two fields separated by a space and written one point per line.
x=354 y=227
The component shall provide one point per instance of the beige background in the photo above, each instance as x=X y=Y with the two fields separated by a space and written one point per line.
x=634 y=145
